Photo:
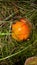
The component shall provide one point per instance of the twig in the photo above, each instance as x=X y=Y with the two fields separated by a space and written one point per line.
x=7 y=18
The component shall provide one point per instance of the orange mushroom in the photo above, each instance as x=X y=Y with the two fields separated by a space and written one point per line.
x=21 y=30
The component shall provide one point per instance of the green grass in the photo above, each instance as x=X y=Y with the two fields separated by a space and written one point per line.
x=12 y=51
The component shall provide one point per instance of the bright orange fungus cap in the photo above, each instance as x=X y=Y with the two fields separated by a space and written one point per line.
x=20 y=30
